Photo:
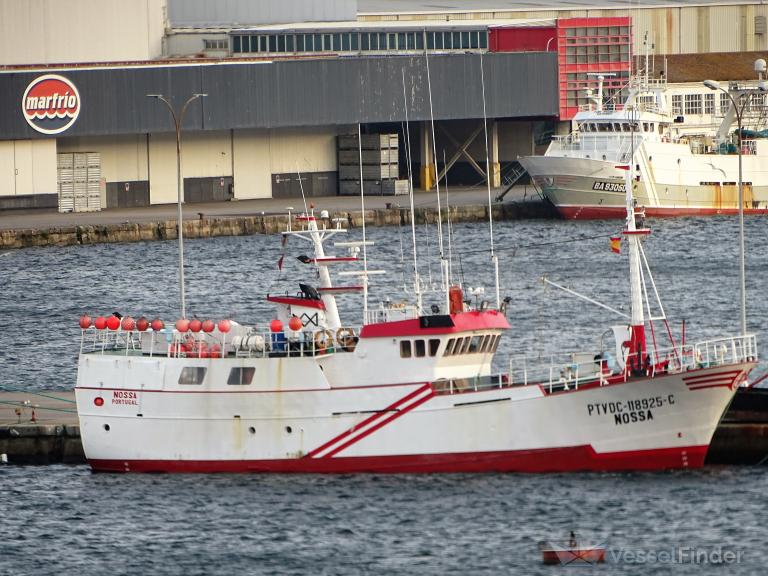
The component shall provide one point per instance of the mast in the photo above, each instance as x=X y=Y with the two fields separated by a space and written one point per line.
x=637 y=343
x=362 y=207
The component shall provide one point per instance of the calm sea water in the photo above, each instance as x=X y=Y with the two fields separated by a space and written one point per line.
x=66 y=520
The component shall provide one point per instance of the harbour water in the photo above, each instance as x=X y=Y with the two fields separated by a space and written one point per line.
x=66 y=520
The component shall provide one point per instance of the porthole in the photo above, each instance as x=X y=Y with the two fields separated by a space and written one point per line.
x=106 y=427
x=288 y=429
x=252 y=430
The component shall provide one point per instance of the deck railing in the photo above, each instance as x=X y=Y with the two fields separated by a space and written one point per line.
x=245 y=344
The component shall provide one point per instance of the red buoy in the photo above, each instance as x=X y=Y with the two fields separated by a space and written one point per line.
x=208 y=326
x=157 y=324
x=215 y=351
x=295 y=323
x=195 y=325
x=113 y=322
x=182 y=325
x=142 y=324
x=225 y=326
x=85 y=321
x=128 y=323
x=100 y=323
x=276 y=325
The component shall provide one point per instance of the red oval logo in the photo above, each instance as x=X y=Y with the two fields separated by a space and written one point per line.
x=99 y=401
x=51 y=104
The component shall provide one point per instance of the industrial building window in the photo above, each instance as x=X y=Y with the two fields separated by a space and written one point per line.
x=346 y=42
x=215 y=44
x=236 y=44
x=410 y=41
x=419 y=41
x=693 y=103
x=337 y=42
x=318 y=39
x=457 y=40
x=273 y=43
x=281 y=43
x=709 y=103
x=289 y=43
x=677 y=103
x=300 y=43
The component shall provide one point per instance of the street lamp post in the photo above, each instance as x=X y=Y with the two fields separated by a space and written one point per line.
x=712 y=85
x=178 y=121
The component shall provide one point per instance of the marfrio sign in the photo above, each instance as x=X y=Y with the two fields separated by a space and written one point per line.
x=50 y=104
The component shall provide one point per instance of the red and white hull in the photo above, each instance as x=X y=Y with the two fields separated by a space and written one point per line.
x=642 y=424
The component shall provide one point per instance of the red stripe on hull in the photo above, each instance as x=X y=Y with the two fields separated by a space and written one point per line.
x=607 y=212
x=570 y=459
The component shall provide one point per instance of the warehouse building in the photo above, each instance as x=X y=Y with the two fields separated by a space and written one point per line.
x=283 y=82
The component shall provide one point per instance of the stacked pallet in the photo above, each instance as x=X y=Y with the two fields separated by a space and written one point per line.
x=379 y=165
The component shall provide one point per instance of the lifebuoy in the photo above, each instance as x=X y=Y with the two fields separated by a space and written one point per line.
x=323 y=340
x=346 y=338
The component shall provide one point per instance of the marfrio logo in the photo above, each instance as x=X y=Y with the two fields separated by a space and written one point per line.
x=51 y=104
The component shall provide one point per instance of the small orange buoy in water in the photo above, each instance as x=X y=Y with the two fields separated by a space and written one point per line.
x=182 y=325
x=224 y=326
x=295 y=323
x=113 y=322
x=276 y=326
x=85 y=321
x=100 y=323
x=195 y=325
x=157 y=324
x=142 y=324
x=128 y=323
x=208 y=326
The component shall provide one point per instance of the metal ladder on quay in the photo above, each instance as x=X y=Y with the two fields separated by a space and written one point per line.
x=510 y=176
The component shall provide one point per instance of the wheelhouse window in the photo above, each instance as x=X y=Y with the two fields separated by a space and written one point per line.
x=405 y=349
x=192 y=375
x=449 y=348
x=241 y=376
x=419 y=348
x=434 y=346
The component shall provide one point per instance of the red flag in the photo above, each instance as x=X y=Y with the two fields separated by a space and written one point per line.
x=616 y=244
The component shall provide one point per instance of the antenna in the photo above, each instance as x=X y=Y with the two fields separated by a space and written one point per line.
x=407 y=134
x=450 y=226
x=443 y=271
x=362 y=207
x=301 y=186
x=494 y=258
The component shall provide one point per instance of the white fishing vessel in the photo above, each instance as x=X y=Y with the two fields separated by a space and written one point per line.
x=399 y=390
x=682 y=167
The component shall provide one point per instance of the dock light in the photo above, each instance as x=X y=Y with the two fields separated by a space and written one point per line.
x=178 y=121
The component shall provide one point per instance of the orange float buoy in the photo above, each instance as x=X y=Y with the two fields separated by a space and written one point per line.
x=142 y=324
x=113 y=322
x=208 y=326
x=195 y=325
x=85 y=321
x=157 y=324
x=215 y=351
x=295 y=323
x=128 y=323
x=276 y=326
x=100 y=323
x=182 y=325
x=224 y=326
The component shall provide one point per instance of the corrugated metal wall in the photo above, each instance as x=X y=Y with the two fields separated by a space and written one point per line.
x=201 y=13
x=52 y=31
x=298 y=93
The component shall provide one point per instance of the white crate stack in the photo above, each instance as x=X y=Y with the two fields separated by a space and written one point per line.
x=379 y=165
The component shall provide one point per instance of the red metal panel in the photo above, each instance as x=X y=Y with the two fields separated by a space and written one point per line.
x=521 y=39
